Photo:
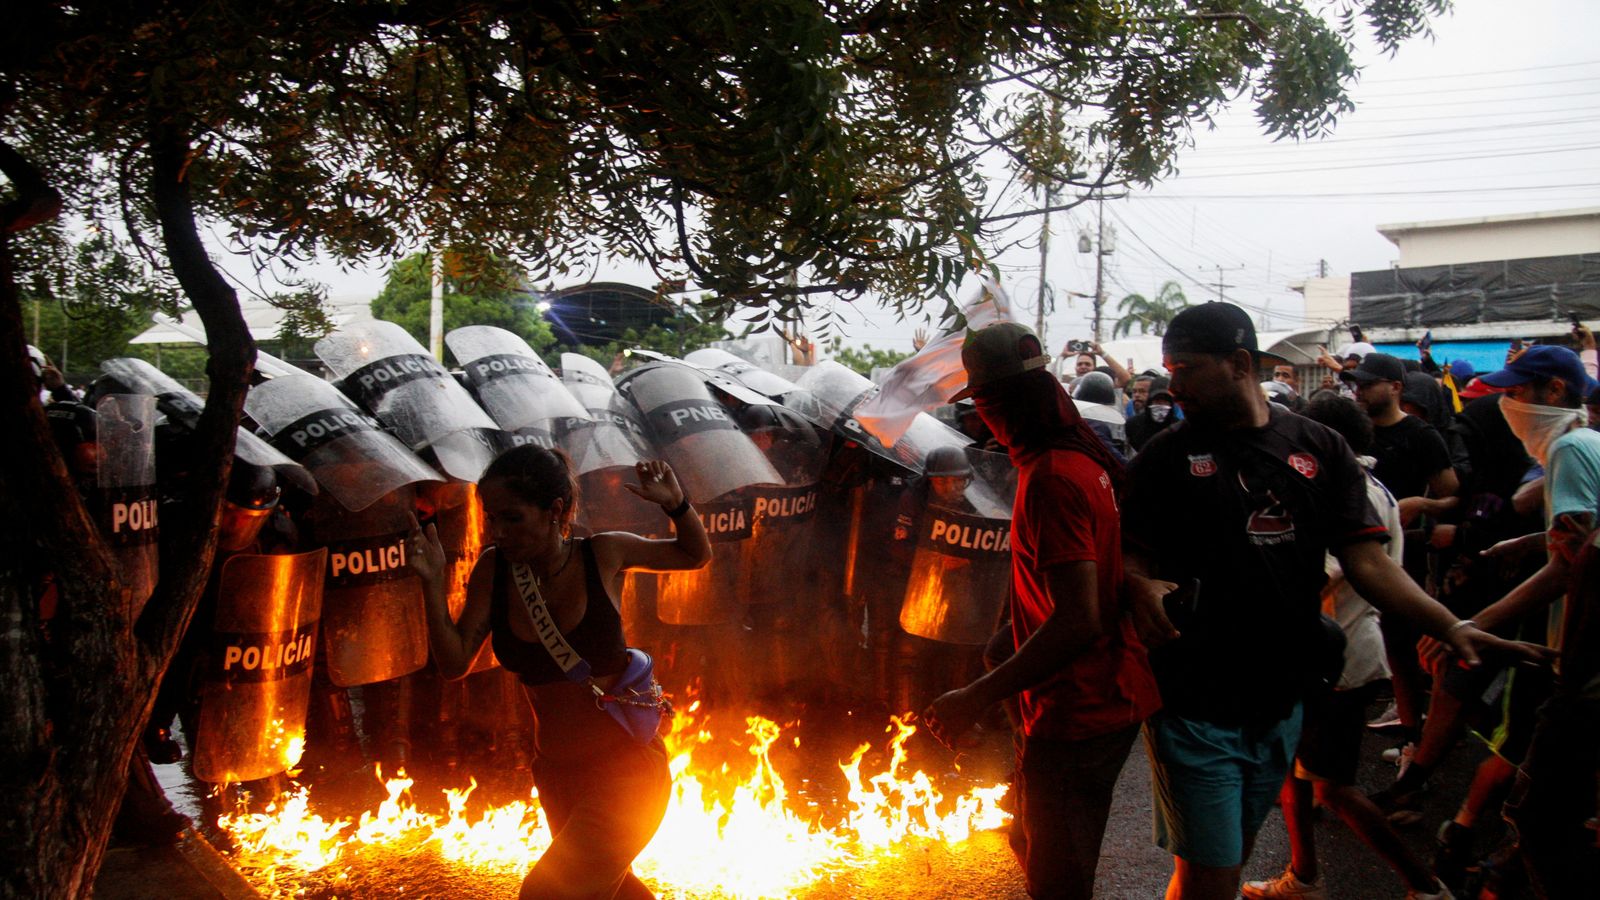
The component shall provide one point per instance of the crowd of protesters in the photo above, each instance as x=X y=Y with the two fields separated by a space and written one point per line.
x=1209 y=557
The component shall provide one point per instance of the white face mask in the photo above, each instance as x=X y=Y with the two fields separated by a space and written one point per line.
x=1159 y=412
x=1537 y=426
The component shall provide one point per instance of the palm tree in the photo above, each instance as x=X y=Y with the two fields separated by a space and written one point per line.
x=1149 y=316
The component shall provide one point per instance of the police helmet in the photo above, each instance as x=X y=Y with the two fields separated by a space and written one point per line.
x=947 y=462
x=1095 y=387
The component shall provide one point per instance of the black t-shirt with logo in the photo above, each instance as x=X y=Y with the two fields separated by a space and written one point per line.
x=1250 y=514
x=1409 y=452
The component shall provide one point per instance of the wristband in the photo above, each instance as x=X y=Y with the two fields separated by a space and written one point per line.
x=678 y=510
x=1460 y=624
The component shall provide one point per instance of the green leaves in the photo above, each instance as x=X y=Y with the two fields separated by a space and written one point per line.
x=857 y=144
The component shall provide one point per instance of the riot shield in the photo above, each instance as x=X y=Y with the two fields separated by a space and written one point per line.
x=1110 y=415
x=513 y=383
x=604 y=448
x=256 y=683
x=961 y=571
x=613 y=435
x=385 y=370
x=828 y=393
x=783 y=516
x=716 y=378
x=184 y=406
x=374 y=626
x=746 y=373
x=715 y=593
x=696 y=434
x=129 y=515
x=343 y=447
x=463 y=531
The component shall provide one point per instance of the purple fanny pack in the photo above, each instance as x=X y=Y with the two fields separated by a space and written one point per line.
x=636 y=700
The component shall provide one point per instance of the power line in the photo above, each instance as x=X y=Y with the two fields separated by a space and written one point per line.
x=1483 y=72
x=1364 y=194
x=1405 y=162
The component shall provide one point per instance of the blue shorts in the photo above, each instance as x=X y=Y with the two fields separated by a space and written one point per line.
x=1215 y=784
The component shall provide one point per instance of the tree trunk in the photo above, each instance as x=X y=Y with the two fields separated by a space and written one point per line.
x=77 y=678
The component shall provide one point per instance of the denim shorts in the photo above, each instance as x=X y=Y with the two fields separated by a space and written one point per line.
x=1215 y=784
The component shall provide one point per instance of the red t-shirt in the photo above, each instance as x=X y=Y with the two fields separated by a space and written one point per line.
x=1066 y=512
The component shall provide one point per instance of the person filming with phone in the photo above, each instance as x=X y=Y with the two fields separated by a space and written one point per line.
x=1085 y=355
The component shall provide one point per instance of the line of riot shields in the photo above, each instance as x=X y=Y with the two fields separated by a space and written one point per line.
x=844 y=571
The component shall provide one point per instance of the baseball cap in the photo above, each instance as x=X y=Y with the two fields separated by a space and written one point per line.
x=1462 y=370
x=1214 y=327
x=997 y=352
x=1376 y=367
x=1358 y=349
x=1541 y=361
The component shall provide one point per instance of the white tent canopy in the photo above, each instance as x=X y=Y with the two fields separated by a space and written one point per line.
x=262 y=318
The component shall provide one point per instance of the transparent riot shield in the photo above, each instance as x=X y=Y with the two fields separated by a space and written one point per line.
x=129 y=513
x=184 y=406
x=513 y=383
x=828 y=393
x=344 y=448
x=256 y=684
x=604 y=449
x=374 y=625
x=959 y=575
x=696 y=433
x=746 y=373
x=383 y=368
x=715 y=593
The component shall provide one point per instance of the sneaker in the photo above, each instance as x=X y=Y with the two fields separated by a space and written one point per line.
x=1443 y=893
x=1389 y=718
x=1285 y=885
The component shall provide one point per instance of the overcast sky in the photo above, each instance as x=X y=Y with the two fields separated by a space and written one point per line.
x=1498 y=113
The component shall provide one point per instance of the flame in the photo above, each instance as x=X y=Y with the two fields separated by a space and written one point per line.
x=725 y=833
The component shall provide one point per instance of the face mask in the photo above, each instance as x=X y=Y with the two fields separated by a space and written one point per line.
x=1159 y=413
x=1537 y=426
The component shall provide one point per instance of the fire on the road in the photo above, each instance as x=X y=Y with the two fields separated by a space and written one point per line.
x=729 y=834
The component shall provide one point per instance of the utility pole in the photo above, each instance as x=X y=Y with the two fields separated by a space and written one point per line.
x=1099 y=263
x=1219 y=284
x=1044 y=260
x=1101 y=246
x=436 y=306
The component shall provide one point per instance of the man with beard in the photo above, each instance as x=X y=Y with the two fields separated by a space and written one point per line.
x=1413 y=462
x=1083 y=677
x=1264 y=495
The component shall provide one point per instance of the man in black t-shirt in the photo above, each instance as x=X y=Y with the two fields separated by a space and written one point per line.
x=1226 y=521
x=1413 y=462
x=1413 y=459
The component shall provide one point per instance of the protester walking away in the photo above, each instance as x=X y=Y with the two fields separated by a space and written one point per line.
x=548 y=601
x=1082 y=675
x=1229 y=600
x=1330 y=743
x=1543 y=405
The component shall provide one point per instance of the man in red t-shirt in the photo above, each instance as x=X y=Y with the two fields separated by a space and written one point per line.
x=1084 y=679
